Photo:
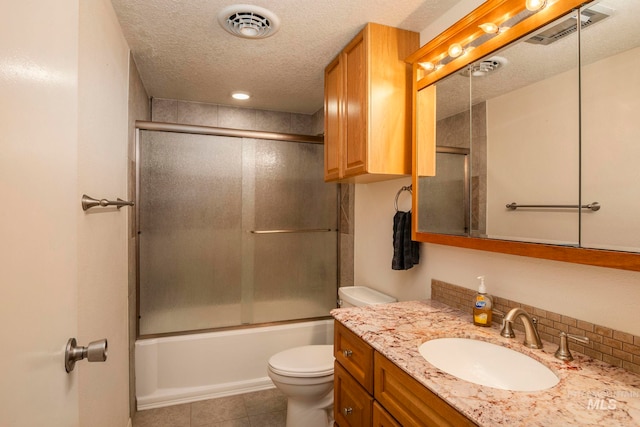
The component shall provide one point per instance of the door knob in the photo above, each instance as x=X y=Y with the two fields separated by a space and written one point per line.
x=96 y=351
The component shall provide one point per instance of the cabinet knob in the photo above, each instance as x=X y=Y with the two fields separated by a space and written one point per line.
x=347 y=411
x=347 y=353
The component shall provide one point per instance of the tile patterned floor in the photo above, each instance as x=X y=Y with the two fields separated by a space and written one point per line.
x=267 y=408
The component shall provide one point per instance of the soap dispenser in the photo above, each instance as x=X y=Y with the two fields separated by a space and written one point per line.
x=482 y=306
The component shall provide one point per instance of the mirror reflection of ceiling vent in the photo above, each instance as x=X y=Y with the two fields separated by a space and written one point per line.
x=568 y=26
x=483 y=68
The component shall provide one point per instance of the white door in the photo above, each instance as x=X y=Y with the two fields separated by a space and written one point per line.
x=63 y=272
x=38 y=211
x=103 y=74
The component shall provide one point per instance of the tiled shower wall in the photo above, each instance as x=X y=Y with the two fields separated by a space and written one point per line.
x=614 y=347
x=460 y=132
x=214 y=115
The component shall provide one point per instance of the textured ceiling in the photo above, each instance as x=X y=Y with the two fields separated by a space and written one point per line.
x=183 y=53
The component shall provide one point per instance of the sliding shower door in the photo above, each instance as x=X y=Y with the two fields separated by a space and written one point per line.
x=232 y=231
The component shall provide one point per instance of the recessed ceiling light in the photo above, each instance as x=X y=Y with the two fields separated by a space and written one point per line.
x=240 y=95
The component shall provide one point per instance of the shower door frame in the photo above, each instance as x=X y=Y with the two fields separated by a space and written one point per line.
x=141 y=125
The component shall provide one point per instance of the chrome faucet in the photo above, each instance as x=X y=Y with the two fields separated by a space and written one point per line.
x=531 y=336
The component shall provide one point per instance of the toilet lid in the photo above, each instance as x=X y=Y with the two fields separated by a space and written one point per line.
x=306 y=361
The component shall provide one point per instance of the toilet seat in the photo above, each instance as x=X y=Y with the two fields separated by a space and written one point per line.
x=308 y=361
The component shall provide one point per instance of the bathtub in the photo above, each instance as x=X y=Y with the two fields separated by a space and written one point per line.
x=188 y=368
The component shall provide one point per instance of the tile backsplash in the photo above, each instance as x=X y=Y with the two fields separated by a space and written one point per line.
x=614 y=347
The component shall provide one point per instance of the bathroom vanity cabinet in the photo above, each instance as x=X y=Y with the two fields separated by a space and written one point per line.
x=372 y=391
x=367 y=106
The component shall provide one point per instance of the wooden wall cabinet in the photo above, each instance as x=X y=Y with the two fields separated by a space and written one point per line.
x=369 y=390
x=367 y=106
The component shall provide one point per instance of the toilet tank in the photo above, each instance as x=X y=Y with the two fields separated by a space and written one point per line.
x=358 y=296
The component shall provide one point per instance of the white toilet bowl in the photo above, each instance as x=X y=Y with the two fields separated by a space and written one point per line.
x=305 y=375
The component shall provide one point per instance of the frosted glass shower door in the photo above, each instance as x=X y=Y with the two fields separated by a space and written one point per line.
x=232 y=231
x=295 y=243
x=444 y=197
x=190 y=231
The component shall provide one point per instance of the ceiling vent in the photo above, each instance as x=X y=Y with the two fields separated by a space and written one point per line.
x=248 y=21
x=568 y=26
x=482 y=68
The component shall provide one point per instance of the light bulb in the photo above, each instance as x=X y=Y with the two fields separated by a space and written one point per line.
x=535 y=5
x=489 y=27
x=455 y=50
x=429 y=66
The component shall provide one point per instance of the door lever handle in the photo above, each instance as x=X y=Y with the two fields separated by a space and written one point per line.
x=96 y=351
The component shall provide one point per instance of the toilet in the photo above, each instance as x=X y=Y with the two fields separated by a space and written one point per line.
x=359 y=296
x=305 y=374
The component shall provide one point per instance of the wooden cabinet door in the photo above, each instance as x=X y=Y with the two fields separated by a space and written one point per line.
x=409 y=402
x=354 y=63
x=352 y=404
x=333 y=138
x=382 y=418
x=355 y=355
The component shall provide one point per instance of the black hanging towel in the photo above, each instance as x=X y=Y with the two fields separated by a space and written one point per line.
x=406 y=252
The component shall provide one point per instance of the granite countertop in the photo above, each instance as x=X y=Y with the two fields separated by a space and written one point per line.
x=590 y=392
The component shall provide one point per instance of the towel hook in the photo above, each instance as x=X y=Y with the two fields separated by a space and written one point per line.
x=408 y=188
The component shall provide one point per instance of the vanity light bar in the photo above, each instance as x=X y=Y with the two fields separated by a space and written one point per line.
x=451 y=50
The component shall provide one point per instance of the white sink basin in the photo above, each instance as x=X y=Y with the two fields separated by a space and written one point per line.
x=488 y=364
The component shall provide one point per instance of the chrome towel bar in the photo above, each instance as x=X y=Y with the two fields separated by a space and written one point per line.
x=312 y=230
x=595 y=206
x=90 y=202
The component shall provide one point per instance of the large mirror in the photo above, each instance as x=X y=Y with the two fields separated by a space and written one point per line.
x=536 y=141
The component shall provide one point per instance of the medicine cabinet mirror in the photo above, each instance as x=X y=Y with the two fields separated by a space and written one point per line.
x=526 y=139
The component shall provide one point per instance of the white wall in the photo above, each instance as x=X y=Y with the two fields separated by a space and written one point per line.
x=607 y=297
x=373 y=242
